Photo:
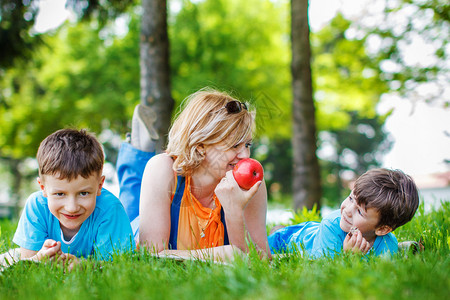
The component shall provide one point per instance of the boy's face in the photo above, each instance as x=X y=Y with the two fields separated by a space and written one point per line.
x=353 y=215
x=71 y=202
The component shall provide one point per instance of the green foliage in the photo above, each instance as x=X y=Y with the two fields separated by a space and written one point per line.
x=139 y=275
x=103 y=11
x=214 y=43
x=16 y=19
x=346 y=79
x=436 y=233
x=348 y=87
x=7 y=229
x=73 y=81
x=420 y=27
x=275 y=155
x=305 y=215
x=87 y=75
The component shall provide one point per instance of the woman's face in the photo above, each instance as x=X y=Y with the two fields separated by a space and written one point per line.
x=219 y=159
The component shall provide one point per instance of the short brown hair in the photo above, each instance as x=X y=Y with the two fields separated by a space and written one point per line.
x=393 y=193
x=68 y=153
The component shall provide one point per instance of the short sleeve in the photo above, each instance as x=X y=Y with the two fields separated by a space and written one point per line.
x=328 y=240
x=32 y=229
x=385 y=245
x=114 y=234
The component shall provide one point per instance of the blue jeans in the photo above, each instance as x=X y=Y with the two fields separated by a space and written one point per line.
x=130 y=167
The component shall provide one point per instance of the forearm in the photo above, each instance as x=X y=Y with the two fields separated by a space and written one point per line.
x=221 y=253
x=152 y=241
x=238 y=235
x=26 y=253
x=248 y=228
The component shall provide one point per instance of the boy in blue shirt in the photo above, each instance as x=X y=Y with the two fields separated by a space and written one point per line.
x=72 y=216
x=381 y=201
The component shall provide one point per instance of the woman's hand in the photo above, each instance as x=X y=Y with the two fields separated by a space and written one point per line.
x=225 y=253
x=245 y=213
x=231 y=196
x=69 y=260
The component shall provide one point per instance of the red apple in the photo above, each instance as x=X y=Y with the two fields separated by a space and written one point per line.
x=247 y=172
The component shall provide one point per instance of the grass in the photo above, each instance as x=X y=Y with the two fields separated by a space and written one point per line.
x=138 y=275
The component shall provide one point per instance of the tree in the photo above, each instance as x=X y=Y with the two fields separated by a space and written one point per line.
x=214 y=43
x=349 y=85
x=356 y=149
x=154 y=62
x=410 y=41
x=25 y=120
x=16 y=19
x=306 y=174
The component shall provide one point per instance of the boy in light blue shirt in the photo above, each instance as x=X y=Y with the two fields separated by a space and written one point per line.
x=381 y=201
x=72 y=216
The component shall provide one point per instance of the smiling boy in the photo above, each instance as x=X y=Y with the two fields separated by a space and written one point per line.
x=73 y=215
x=381 y=201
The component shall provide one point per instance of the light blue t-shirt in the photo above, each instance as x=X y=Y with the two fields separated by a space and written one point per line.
x=106 y=231
x=316 y=239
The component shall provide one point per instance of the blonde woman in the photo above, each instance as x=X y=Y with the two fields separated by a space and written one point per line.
x=190 y=204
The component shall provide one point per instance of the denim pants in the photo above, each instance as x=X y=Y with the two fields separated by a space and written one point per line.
x=130 y=167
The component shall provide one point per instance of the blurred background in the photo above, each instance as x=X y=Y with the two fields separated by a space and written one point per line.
x=379 y=72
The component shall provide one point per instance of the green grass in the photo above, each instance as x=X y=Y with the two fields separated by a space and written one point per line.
x=138 y=275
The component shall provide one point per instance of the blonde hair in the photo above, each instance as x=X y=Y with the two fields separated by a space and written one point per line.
x=205 y=121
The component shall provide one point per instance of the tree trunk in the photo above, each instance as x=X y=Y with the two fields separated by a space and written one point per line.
x=306 y=175
x=154 y=63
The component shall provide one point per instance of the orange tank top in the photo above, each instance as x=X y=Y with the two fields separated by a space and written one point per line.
x=194 y=226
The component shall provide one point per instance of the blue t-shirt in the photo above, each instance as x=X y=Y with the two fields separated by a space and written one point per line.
x=106 y=231
x=316 y=239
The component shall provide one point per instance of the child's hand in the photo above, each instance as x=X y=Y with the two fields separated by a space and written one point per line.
x=69 y=260
x=51 y=249
x=356 y=243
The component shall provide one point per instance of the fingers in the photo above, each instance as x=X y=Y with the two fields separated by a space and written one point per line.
x=49 y=243
x=358 y=241
x=61 y=258
x=229 y=178
x=50 y=250
x=367 y=247
x=252 y=191
x=363 y=245
x=71 y=257
x=355 y=242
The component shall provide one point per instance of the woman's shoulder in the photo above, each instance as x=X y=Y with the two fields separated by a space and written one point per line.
x=159 y=167
x=162 y=157
x=161 y=160
x=158 y=182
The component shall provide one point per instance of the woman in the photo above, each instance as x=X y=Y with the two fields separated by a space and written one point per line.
x=189 y=198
